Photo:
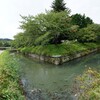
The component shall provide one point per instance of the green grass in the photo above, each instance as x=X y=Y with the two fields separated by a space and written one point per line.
x=66 y=48
x=9 y=78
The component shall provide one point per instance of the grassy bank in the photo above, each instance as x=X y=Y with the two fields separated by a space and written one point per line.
x=66 y=48
x=88 y=85
x=9 y=78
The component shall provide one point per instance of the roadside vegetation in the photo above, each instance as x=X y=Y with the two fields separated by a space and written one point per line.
x=88 y=85
x=10 y=88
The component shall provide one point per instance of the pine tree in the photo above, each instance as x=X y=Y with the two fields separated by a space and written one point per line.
x=58 y=5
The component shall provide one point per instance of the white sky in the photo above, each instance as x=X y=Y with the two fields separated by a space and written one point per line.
x=10 y=11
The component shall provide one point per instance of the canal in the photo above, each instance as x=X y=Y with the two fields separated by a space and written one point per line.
x=43 y=81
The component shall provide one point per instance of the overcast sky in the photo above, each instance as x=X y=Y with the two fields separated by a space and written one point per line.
x=10 y=11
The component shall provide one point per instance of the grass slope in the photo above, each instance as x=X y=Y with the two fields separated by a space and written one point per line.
x=9 y=78
x=66 y=48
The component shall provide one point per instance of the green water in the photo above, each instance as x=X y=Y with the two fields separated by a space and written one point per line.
x=55 y=78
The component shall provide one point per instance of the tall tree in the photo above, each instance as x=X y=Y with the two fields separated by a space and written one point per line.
x=81 y=20
x=57 y=28
x=58 y=5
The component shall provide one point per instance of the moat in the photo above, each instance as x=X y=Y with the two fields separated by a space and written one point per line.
x=38 y=76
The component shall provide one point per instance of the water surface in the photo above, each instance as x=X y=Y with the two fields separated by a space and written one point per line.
x=54 y=78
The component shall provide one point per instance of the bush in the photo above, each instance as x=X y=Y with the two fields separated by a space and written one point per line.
x=86 y=35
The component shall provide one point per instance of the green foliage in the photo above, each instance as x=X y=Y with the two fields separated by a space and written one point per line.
x=66 y=48
x=19 y=40
x=88 y=85
x=81 y=20
x=95 y=28
x=49 y=28
x=58 y=25
x=43 y=39
x=52 y=28
x=59 y=5
x=91 y=45
x=86 y=35
x=5 y=42
x=25 y=50
x=9 y=78
x=49 y=50
x=89 y=34
x=33 y=26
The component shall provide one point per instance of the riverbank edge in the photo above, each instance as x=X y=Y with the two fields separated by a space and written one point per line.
x=11 y=77
x=59 y=59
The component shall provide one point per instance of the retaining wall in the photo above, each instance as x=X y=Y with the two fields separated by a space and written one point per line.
x=59 y=59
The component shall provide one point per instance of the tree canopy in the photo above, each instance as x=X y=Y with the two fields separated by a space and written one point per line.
x=81 y=20
x=55 y=26
x=5 y=42
x=49 y=28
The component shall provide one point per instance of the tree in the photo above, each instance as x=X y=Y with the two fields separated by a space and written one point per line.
x=59 y=5
x=5 y=42
x=81 y=20
x=95 y=28
x=86 y=35
x=58 y=27
x=19 y=40
x=48 y=28
x=88 y=20
x=33 y=26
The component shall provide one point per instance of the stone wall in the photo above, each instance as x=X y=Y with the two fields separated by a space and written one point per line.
x=58 y=59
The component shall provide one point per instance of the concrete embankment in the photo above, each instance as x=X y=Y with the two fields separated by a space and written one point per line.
x=59 y=59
